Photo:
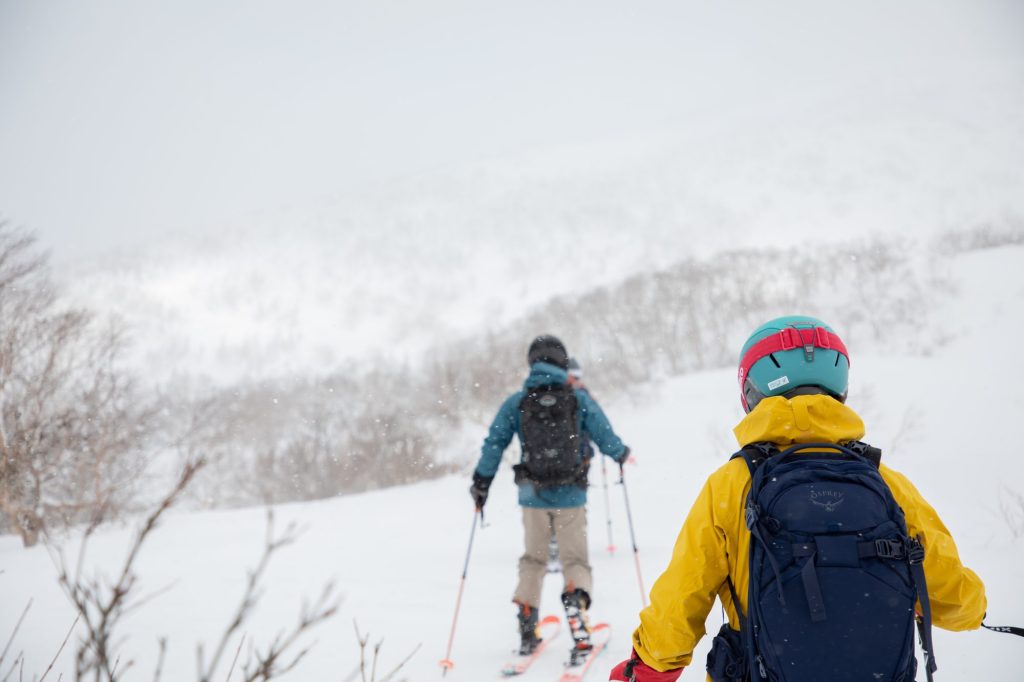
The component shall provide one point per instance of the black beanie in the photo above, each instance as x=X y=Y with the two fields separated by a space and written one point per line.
x=547 y=348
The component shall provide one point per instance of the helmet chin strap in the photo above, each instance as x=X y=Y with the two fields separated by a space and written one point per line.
x=805 y=390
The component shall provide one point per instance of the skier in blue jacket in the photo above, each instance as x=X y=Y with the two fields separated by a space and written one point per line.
x=553 y=422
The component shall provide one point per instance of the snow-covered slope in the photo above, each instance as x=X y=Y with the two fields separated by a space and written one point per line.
x=947 y=420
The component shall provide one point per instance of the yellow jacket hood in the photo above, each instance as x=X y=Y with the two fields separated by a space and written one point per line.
x=802 y=419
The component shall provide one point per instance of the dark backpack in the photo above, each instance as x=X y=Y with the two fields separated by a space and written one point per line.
x=550 y=437
x=833 y=575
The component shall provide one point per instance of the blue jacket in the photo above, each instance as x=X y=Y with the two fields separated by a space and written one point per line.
x=591 y=422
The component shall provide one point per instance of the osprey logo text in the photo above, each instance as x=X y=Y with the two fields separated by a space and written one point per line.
x=829 y=499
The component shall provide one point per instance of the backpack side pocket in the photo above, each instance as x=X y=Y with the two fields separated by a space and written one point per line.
x=726 y=660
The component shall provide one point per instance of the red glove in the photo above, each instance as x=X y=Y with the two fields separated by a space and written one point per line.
x=635 y=670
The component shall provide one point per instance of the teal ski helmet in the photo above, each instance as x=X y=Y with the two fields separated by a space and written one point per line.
x=792 y=355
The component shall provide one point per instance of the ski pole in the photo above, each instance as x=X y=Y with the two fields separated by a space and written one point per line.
x=607 y=506
x=632 y=534
x=446 y=663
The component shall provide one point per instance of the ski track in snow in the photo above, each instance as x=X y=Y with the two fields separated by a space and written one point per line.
x=397 y=554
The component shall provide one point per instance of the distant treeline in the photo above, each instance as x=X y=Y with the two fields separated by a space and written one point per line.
x=358 y=429
x=372 y=425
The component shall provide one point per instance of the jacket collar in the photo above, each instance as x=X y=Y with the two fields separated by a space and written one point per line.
x=801 y=419
x=543 y=374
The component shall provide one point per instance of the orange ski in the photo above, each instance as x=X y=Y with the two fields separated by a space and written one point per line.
x=600 y=635
x=549 y=627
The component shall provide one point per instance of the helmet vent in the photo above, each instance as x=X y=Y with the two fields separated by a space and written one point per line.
x=772 y=356
x=837 y=358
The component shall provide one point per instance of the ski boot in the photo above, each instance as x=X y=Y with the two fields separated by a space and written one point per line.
x=576 y=603
x=528 y=637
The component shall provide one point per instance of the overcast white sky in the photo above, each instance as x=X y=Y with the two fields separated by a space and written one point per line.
x=122 y=120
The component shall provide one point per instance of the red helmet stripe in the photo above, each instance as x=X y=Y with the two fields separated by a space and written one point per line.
x=788 y=339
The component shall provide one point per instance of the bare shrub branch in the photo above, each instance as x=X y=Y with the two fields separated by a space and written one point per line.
x=62 y=645
x=101 y=608
x=20 y=660
x=160 y=659
x=275 y=660
x=363 y=640
x=14 y=632
x=234 y=660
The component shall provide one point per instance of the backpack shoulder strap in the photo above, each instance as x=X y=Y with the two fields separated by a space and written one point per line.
x=755 y=454
x=868 y=452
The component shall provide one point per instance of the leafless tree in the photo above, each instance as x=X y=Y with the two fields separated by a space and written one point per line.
x=71 y=423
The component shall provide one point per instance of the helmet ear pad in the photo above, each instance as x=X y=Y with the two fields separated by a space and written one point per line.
x=751 y=396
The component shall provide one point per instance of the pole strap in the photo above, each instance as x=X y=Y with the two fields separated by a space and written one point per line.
x=1008 y=629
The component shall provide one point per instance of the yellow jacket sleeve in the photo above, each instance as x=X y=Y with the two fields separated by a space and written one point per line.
x=956 y=593
x=681 y=599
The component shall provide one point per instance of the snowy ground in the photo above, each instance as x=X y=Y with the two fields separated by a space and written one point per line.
x=946 y=420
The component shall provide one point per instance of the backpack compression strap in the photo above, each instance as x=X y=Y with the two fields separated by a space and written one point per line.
x=735 y=601
x=868 y=452
x=924 y=624
x=755 y=454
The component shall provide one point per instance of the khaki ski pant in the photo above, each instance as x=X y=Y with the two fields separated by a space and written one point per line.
x=569 y=527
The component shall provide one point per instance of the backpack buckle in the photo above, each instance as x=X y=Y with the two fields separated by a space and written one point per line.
x=915 y=551
x=889 y=549
x=752 y=514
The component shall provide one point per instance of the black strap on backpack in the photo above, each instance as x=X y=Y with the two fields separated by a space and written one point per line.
x=755 y=454
x=915 y=557
x=735 y=599
x=727 y=660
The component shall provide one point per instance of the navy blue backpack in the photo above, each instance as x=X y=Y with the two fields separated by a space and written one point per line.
x=834 y=577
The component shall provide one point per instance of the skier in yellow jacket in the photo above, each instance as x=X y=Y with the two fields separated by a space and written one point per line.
x=793 y=387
